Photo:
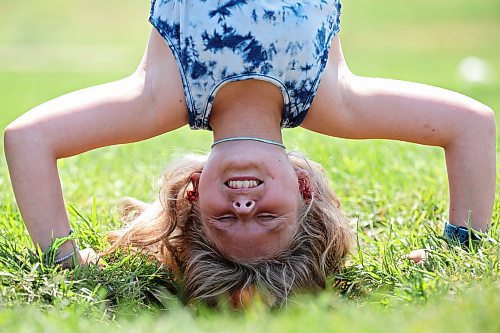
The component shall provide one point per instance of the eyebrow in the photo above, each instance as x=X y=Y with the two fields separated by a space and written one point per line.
x=276 y=225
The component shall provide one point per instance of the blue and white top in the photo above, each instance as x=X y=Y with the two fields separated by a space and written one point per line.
x=214 y=42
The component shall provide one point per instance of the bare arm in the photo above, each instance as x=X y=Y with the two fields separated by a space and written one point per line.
x=357 y=107
x=146 y=104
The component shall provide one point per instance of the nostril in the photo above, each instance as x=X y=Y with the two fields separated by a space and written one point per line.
x=237 y=204
x=248 y=204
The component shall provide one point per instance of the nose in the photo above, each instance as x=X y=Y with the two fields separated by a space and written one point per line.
x=243 y=206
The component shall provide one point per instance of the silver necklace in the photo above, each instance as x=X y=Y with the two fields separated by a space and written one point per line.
x=248 y=138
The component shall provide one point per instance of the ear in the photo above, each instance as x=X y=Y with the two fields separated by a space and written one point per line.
x=195 y=179
x=302 y=173
x=305 y=187
x=193 y=194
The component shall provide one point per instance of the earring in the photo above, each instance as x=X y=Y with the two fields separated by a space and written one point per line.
x=305 y=189
x=192 y=195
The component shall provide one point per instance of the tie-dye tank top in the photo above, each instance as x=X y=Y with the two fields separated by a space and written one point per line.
x=219 y=41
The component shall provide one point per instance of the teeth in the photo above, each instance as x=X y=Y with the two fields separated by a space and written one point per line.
x=242 y=183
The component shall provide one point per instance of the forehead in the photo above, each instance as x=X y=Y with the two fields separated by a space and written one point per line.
x=251 y=240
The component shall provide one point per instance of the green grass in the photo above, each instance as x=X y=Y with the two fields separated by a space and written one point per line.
x=396 y=193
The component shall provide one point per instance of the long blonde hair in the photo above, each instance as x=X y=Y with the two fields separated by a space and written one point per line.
x=171 y=231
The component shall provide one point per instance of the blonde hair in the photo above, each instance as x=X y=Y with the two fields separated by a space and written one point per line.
x=171 y=231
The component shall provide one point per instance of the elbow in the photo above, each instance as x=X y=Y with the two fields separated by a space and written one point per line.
x=483 y=119
x=10 y=138
x=19 y=137
x=476 y=125
x=490 y=115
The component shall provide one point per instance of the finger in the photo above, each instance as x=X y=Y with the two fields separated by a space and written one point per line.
x=417 y=256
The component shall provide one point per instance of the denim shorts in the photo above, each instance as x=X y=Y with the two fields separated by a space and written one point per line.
x=284 y=42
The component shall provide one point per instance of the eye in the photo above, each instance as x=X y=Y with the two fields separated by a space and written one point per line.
x=227 y=218
x=266 y=217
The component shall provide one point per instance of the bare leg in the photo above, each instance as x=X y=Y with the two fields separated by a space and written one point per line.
x=371 y=108
x=146 y=104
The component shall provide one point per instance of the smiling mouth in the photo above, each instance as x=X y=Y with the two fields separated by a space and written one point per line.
x=238 y=184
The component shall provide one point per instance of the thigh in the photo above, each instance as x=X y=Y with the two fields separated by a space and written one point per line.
x=147 y=103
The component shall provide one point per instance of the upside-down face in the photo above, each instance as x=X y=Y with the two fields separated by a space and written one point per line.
x=249 y=201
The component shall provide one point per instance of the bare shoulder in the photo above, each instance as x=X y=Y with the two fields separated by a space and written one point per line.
x=161 y=74
x=327 y=106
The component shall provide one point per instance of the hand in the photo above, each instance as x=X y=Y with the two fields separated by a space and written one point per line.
x=89 y=256
x=417 y=256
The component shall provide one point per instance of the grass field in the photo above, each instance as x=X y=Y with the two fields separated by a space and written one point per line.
x=396 y=193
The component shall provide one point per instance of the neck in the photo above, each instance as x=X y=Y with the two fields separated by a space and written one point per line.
x=249 y=121
x=271 y=134
x=254 y=113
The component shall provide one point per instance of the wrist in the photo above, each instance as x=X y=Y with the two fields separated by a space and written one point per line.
x=66 y=257
x=64 y=251
x=460 y=235
x=70 y=262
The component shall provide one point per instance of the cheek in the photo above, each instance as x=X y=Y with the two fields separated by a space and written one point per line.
x=287 y=195
x=290 y=183
x=206 y=187
x=210 y=201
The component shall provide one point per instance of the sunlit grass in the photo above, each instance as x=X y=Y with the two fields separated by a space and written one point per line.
x=395 y=193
